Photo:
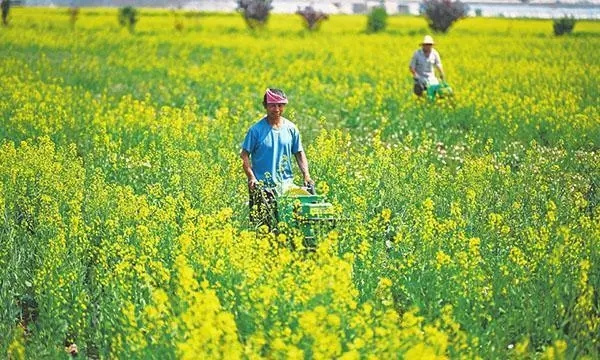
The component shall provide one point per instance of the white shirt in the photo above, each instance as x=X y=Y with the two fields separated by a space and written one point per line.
x=423 y=65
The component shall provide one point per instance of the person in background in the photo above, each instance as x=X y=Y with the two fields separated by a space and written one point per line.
x=422 y=65
x=267 y=153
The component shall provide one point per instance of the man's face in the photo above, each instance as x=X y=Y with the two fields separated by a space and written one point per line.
x=275 y=110
x=427 y=47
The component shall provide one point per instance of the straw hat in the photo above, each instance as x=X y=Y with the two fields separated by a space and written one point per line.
x=427 y=40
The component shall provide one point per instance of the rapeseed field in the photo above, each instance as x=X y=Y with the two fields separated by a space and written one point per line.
x=471 y=225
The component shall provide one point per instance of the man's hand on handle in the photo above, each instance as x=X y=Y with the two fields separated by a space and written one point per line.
x=309 y=184
x=308 y=181
x=252 y=183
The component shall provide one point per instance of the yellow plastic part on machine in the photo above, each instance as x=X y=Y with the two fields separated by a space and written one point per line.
x=297 y=191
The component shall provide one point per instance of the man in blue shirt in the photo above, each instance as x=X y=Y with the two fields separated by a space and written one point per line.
x=267 y=153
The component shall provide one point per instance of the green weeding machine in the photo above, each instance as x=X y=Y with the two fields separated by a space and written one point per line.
x=303 y=209
x=441 y=90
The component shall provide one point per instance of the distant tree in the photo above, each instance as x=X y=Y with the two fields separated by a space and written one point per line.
x=312 y=18
x=564 y=25
x=377 y=19
x=178 y=24
x=178 y=21
x=255 y=12
x=5 y=5
x=73 y=15
x=441 y=14
x=128 y=16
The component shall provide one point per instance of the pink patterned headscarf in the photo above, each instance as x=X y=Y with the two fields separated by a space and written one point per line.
x=273 y=98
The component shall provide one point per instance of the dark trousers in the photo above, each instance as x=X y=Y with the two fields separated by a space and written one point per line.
x=419 y=88
x=263 y=208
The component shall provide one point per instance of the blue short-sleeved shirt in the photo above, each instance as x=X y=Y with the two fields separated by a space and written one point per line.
x=271 y=150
